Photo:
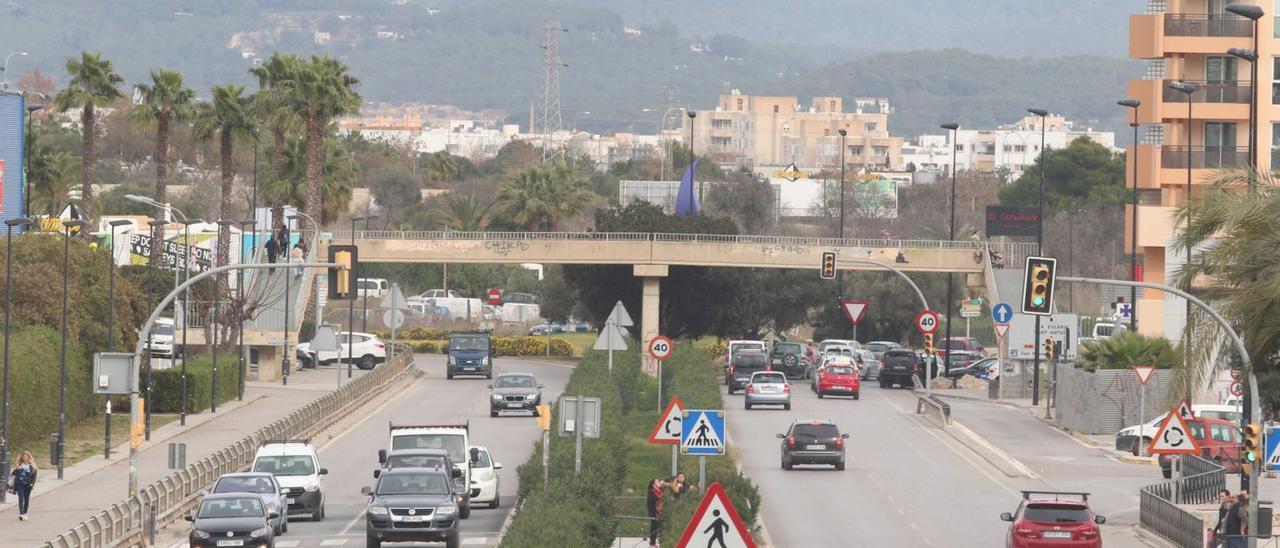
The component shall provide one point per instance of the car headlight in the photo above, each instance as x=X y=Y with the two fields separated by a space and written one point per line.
x=199 y=534
x=450 y=359
x=265 y=531
x=378 y=510
x=486 y=360
x=313 y=486
x=496 y=397
x=446 y=510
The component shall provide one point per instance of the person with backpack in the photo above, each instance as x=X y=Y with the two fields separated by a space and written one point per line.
x=22 y=480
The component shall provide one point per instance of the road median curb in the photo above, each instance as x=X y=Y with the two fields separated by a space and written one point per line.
x=1006 y=464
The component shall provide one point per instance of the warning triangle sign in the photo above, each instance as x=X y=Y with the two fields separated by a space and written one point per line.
x=1144 y=372
x=1184 y=409
x=854 y=310
x=668 y=428
x=1173 y=437
x=716 y=523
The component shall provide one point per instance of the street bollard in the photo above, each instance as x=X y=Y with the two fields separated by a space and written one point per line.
x=53 y=449
x=151 y=525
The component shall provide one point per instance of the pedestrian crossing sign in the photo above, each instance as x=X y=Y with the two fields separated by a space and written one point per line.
x=716 y=524
x=702 y=432
x=1271 y=438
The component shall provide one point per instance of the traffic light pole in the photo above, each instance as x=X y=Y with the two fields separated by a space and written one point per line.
x=1254 y=411
x=144 y=336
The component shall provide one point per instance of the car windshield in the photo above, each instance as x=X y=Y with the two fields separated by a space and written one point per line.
x=239 y=507
x=815 y=431
x=840 y=370
x=748 y=361
x=468 y=344
x=787 y=348
x=245 y=484
x=1055 y=513
x=769 y=378
x=162 y=329
x=747 y=346
x=453 y=444
x=878 y=347
x=414 y=483
x=415 y=461
x=515 y=381
x=285 y=465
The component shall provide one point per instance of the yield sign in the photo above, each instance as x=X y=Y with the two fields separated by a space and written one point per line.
x=1144 y=372
x=619 y=316
x=716 y=524
x=668 y=428
x=1173 y=437
x=854 y=309
x=1001 y=329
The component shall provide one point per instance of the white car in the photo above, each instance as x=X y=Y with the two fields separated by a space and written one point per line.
x=296 y=468
x=161 y=341
x=367 y=352
x=839 y=342
x=484 y=478
x=1130 y=438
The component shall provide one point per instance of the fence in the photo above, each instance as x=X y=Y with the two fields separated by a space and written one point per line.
x=1107 y=401
x=126 y=522
x=1158 y=513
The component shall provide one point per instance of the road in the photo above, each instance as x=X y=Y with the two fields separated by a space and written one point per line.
x=352 y=456
x=909 y=484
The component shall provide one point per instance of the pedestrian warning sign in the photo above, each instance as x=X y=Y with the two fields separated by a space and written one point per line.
x=716 y=524
x=668 y=428
x=1173 y=437
x=702 y=432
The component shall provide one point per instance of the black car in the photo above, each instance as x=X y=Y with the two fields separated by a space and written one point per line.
x=436 y=459
x=412 y=505
x=899 y=367
x=226 y=519
x=742 y=365
x=813 y=442
x=514 y=392
x=789 y=358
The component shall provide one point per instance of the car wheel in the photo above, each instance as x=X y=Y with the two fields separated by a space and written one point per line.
x=318 y=515
x=489 y=375
x=449 y=375
x=454 y=541
x=495 y=502
x=494 y=412
x=883 y=384
x=821 y=395
x=371 y=541
x=366 y=362
x=284 y=524
x=746 y=405
x=857 y=396
x=535 y=410
x=465 y=511
x=787 y=406
x=731 y=390
x=786 y=465
x=840 y=465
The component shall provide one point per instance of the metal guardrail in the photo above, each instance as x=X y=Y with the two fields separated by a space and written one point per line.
x=125 y=522
x=935 y=405
x=1158 y=513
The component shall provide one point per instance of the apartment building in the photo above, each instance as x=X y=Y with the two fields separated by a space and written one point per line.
x=1014 y=147
x=1196 y=134
x=749 y=131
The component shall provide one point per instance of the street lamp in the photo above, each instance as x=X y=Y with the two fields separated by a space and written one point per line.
x=840 y=235
x=1133 y=243
x=240 y=291
x=955 y=136
x=213 y=345
x=662 y=126
x=1188 y=89
x=364 y=319
x=186 y=309
x=78 y=224
x=1043 y=158
x=157 y=226
x=1251 y=55
x=8 y=295
x=6 y=66
x=351 y=304
x=26 y=162
x=693 y=172
x=111 y=314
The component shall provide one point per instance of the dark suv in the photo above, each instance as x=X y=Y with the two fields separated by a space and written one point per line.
x=412 y=505
x=813 y=442
x=742 y=365
x=899 y=367
x=789 y=358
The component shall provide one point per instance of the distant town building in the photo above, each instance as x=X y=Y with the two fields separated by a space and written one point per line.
x=1014 y=147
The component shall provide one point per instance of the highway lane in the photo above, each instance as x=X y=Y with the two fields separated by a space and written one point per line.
x=352 y=456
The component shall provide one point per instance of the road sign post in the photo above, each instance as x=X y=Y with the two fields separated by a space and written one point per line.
x=660 y=348
x=927 y=323
x=1144 y=374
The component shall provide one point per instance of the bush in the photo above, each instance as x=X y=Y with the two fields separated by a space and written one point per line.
x=36 y=375
x=167 y=393
x=717 y=350
x=504 y=346
x=426 y=347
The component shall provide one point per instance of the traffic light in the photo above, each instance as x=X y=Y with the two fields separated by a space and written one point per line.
x=1252 y=451
x=341 y=279
x=1050 y=349
x=1037 y=287
x=828 y=265
x=928 y=343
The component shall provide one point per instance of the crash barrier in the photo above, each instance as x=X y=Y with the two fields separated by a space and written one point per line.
x=934 y=409
x=1158 y=513
x=130 y=521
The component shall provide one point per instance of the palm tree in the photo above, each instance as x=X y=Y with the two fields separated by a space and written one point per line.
x=229 y=117
x=539 y=198
x=462 y=212
x=164 y=102
x=319 y=90
x=440 y=166
x=94 y=83
x=52 y=176
x=337 y=177
x=276 y=113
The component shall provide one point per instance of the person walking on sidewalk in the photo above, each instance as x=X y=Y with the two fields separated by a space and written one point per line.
x=1236 y=524
x=23 y=480
x=654 y=504
x=297 y=255
x=1225 y=502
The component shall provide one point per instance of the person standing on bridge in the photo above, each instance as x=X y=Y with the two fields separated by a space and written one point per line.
x=22 y=480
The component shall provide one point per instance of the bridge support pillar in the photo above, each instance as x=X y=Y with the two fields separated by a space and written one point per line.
x=651 y=293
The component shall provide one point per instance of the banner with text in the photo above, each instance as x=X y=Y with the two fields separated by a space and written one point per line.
x=1012 y=221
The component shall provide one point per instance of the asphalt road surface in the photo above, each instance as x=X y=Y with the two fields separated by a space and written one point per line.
x=352 y=456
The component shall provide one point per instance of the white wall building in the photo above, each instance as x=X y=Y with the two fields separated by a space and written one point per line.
x=1015 y=146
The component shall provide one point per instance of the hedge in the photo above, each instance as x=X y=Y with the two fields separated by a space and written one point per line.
x=167 y=393
x=35 y=376
x=505 y=346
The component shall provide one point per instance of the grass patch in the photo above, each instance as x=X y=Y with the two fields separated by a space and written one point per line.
x=85 y=438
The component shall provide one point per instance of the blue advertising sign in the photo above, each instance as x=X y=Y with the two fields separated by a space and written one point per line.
x=12 y=113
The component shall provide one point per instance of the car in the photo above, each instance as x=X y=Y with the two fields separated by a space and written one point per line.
x=985 y=368
x=899 y=367
x=959 y=360
x=372 y=287
x=469 y=354
x=813 y=441
x=827 y=361
x=520 y=298
x=767 y=388
x=1053 y=519
x=880 y=347
x=868 y=364
x=514 y=392
x=452 y=438
x=367 y=351
x=1139 y=435
x=838 y=380
x=423 y=458
x=485 y=478
x=437 y=294
x=1219 y=442
x=733 y=348
x=840 y=342
x=296 y=467
x=231 y=519
x=160 y=342
x=790 y=358
x=412 y=505
x=830 y=351
x=261 y=484
x=743 y=364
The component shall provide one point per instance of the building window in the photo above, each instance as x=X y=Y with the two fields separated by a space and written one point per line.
x=1275 y=80
x=722 y=124
x=1275 y=145
x=879 y=151
x=855 y=150
x=960 y=147
x=722 y=141
x=869 y=126
x=775 y=109
x=740 y=103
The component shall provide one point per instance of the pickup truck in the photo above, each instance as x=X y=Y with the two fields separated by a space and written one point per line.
x=453 y=438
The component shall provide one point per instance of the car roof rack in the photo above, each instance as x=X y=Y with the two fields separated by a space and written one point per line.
x=286 y=440
x=1057 y=495
x=466 y=425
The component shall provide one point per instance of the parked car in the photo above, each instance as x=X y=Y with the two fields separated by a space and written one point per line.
x=1219 y=442
x=789 y=358
x=367 y=350
x=296 y=467
x=412 y=505
x=959 y=359
x=484 y=477
x=838 y=380
x=743 y=364
x=880 y=347
x=1129 y=439
x=438 y=293
x=263 y=485
x=767 y=388
x=1051 y=518
x=899 y=367
x=372 y=287
x=514 y=392
x=813 y=441
x=231 y=519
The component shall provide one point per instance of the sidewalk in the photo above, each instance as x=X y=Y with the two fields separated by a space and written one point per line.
x=92 y=485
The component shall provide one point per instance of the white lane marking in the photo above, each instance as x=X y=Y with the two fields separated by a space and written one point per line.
x=476 y=540
x=333 y=542
x=287 y=543
x=352 y=523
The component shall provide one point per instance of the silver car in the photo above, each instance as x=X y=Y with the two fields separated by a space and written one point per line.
x=868 y=364
x=768 y=388
x=262 y=484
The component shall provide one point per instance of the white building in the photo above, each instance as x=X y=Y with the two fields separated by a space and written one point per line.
x=1014 y=147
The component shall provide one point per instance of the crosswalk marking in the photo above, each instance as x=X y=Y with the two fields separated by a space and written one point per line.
x=476 y=540
x=332 y=542
x=287 y=543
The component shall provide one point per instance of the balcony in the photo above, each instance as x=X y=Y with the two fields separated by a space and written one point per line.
x=1182 y=157
x=1155 y=36
x=1211 y=92
x=1202 y=25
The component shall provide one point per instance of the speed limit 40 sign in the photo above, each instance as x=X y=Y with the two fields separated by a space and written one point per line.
x=927 y=322
x=661 y=348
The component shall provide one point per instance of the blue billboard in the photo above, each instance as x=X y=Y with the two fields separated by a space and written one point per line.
x=12 y=111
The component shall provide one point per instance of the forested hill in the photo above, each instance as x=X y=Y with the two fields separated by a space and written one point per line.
x=485 y=53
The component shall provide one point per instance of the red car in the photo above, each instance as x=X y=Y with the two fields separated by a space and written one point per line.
x=1219 y=441
x=838 y=380
x=1053 y=519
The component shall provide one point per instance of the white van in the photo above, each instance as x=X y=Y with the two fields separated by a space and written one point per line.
x=296 y=467
x=373 y=287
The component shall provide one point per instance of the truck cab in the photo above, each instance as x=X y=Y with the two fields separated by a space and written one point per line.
x=469 y=354
x=452 y=438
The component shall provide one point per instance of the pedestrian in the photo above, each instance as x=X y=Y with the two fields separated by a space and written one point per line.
x=1225 y=502
x=653 y=502
x=273 y=249
x=23 y=480
x=297 y=255
x=1236 y=524
x=679 y=486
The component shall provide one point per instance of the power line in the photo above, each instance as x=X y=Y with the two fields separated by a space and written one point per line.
x=551 y=121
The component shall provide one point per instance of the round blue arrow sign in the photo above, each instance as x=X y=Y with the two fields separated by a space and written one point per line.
x=1002 y=313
